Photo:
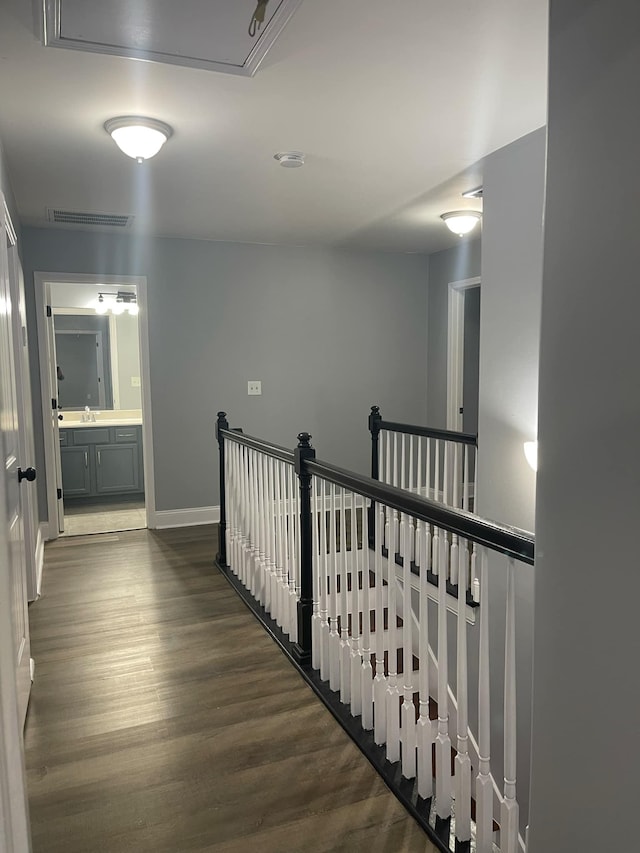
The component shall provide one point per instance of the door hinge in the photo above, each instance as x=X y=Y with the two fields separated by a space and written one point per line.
x=54 y=403
x=59 y=491
x=49 y=311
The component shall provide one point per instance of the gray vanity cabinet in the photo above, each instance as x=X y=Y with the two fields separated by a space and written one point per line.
x=99 y=461
x=76 y=475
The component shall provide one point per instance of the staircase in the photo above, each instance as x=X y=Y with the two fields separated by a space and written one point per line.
x=331 y=562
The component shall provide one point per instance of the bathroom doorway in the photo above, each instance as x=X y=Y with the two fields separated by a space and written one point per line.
x=97 y=363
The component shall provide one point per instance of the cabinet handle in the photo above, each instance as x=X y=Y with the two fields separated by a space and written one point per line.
x=99 y=463
x=86 y=459
x=126 y=435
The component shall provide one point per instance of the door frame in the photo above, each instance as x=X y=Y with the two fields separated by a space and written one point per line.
x=455 y=349
x=51 y=448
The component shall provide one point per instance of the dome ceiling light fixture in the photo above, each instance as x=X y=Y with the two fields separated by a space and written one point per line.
x=290 y=159
x=461 y=222
x=138 y=137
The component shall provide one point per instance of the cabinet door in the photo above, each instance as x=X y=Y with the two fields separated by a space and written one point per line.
x=76 y=476
x=117 y=468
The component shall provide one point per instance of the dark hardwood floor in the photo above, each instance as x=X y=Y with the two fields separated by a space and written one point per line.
x=164 y=719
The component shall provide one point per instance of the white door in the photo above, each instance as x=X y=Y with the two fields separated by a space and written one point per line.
x=25 y=412
x=11 y=462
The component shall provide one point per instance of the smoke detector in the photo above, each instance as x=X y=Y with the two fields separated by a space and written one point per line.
x=290 y=159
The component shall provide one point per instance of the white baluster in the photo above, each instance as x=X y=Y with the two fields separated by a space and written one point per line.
x=388 y=481
x=317 y=574
x=427 y=477
x=380 y=680
x=509 y=810
x=443 y=742
x=356 y=662
x=465 y=485
x=294 y=584
x=408 y=714
x=402 y=540
x=282 y=544
x=463 y=762
x=271 y=536
x=446 y=474
x=345 y=649
x=324 y=568
x=436 y=462
x=410 y=520
x=334 y=638
x=366 y=672
x=455 y=448
x=393 y=692
x=484 y=785
x=423 y=733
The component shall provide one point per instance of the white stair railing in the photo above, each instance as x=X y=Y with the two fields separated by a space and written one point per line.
x=370 y=612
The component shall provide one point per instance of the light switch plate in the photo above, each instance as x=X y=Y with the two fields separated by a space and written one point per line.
x=135 y=381
x=254 y=387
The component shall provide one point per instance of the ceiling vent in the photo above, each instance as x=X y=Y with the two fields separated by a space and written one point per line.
x=89 y=220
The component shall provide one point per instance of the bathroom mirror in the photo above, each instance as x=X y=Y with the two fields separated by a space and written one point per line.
x=97 y=359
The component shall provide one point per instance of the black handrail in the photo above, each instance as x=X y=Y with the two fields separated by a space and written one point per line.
x=430 y=432
x=511 y=541
x=266 y=447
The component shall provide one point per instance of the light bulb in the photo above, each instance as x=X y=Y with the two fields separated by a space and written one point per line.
x=461 y=222
x=118 y=307
x=133 y=309
x=138 y=137
x=101 y=305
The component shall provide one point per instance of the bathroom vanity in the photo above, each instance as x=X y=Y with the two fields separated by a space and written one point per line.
x=102 y=457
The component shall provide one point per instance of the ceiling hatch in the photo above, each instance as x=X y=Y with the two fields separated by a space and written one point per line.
x=232 y=36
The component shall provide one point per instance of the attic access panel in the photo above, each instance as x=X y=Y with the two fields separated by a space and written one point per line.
x=209 y=34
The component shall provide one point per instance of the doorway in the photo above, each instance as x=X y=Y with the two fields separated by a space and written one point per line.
x=463 y=355
x=96 y=405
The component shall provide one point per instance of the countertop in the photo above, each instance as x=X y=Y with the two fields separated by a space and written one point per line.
x=72 y=420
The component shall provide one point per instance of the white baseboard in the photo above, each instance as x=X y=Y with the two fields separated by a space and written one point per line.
x=187 y=517
x=43 y=530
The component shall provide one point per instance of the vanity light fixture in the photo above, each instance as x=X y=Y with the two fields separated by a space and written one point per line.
x=138 y=137
x=461 y=222
x=117 y=303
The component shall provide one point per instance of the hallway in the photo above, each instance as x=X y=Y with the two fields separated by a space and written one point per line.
x=164 y=719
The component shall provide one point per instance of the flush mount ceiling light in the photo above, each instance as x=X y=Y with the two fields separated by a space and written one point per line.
x=138 y=137
x=290 y=159
x=461 y=222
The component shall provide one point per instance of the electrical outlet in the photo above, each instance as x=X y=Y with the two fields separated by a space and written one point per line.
x=135 y=381
x=254 y=387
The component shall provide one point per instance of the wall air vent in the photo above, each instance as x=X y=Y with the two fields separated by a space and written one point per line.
x=89 y=220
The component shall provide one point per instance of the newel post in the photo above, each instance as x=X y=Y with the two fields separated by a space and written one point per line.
x=303 y=452
x=375 y=418
x=221 y=557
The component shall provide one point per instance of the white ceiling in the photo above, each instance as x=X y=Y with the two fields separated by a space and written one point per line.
x=394 y=104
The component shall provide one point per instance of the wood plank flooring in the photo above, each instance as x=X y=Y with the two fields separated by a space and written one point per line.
x=164 y=719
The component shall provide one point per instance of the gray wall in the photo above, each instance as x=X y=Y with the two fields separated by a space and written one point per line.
x=329 y=333
x=455 y=264
x=509 y=353
x=586 y=737
x=128 y=363
x=510 y=328
x=5 y=187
